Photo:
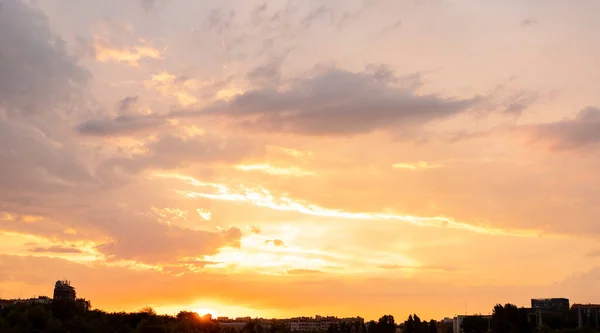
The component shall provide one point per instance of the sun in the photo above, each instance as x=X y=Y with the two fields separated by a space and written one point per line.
x=204 y=311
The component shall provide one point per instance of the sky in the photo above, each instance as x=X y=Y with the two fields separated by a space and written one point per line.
x=281 y=158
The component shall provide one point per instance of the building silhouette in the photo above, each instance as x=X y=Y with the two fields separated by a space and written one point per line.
x=588 y=315
x=64 y=291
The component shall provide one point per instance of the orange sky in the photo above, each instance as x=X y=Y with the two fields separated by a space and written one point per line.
x=284 y=158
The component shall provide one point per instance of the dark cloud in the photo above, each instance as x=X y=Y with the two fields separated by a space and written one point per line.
x=36 y=70
x=255 y=230
x=124 y=125
x=259 y=14
x=528 y=22
x=275 y=242
x=349 y=16
x=221 y=20
x=332 y=102
x=125 y=105
x=338 y=102
x=40 y=92
x=579 y=132
x=55 y=249
x=170 y=151
x=315 y=14
x=148 y=4
x=268 y=74
x=518 y=102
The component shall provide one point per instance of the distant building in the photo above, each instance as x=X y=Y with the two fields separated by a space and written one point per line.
x=543 y=307
x=7 y=302
x=457 y=321
x=588 y=315
x=550 y=304
x=445 y=325
x=319 y=323
x=38 y=300
x=64 y=291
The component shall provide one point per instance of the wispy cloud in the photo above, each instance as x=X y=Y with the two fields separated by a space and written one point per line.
x=272 y=170
x=55 y=249
x=303 y=271
x=290 y=151
x=420 y=268
x=417 y=166
x=262 y=197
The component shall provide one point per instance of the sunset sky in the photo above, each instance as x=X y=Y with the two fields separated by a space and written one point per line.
x=281 y=158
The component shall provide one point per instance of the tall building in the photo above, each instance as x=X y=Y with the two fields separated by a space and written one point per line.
x=544 y=307
x=64 y=291
x=550 y=304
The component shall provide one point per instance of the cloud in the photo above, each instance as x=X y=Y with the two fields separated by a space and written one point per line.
x=268 y=74
x=164 y=244
x=106 y=51
x=205 y=214
x=148 y=4
x=275 y=242
x=314 y=14
x=336 y=102
x=333 y=102
x=417 y=166
x=41 y=91
x=171 y=85
x=593 y=253
x=261 y=197
x=169 y=151
x=269 y=169
x=55 y=249
x=123 y=125
x=583 y=131
x=36 y=70
x=255 y=230
x=528 y=22
x=126 y=104
x=303 y=271
x=148 y=239
x=421 y=268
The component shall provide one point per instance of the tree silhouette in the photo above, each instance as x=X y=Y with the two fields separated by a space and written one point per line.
x=433 y=326
x=474 y=324
x=510 y=319
x=409 y=325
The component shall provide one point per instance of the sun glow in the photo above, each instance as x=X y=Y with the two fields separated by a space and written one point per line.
x=205 y=311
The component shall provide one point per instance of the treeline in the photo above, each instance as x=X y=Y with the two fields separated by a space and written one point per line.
x=509 y=318
x=413 y=324
x=75 y=317
x=506 y=318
